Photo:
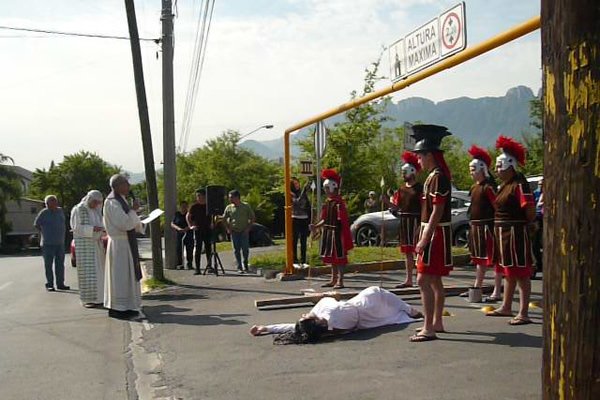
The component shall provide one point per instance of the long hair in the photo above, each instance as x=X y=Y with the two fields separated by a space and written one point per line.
x=438 y=156
x=306 y=331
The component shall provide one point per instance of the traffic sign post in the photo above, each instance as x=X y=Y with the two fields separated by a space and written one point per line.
x=433 y=41
x=306 y=168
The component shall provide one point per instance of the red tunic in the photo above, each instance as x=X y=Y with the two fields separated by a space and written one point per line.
x=481 y=234
x=336 y=239
x=436 y=258
x=407 y=208
x=510 y=227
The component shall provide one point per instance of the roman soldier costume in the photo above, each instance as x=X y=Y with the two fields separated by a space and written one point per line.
x=336 y=239
x=407 y=205
x=481 y=210
x=436 y=258
x=510 y=221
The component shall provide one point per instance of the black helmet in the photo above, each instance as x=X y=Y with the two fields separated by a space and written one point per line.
x=428 y=137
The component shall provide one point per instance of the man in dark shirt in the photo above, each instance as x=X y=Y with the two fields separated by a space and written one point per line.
x=201 y=223
x=184 y=236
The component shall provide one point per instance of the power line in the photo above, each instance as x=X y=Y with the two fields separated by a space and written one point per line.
x=202 y=31
x=12 y=28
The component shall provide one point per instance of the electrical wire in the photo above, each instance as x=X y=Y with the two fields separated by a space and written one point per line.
x=196 y=67
x=89 y=35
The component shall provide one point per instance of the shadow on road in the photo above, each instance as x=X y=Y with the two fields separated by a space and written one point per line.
x=236 y=290
x=168 y=314
x=517 y=339
x=368 y=334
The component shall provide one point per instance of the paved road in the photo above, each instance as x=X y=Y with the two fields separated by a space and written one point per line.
x=195 y=345
x=200 y=330
x=50 y=346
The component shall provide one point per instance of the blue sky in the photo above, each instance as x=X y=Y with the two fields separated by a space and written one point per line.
x=268 y=61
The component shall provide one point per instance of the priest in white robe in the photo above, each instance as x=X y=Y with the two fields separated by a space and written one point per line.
x=122 y=293
x=88 y=229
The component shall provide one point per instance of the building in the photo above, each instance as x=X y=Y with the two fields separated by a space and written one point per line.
x=21 y=214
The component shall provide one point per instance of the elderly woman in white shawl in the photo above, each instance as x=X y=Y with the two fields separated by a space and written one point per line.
x=87 y=226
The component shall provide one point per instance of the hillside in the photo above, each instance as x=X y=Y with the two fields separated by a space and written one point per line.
x=477 y=121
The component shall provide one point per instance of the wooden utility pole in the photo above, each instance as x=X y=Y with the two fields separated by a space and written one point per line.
x=140 y=89
x=169 y=157
x=571 y=88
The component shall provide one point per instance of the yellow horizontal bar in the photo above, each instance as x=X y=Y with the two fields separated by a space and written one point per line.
x=452 y=61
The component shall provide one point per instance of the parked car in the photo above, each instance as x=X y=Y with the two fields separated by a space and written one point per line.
x=366 y=230
x=73 y=256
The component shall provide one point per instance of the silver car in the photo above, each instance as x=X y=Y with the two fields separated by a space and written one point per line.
x=367 y=229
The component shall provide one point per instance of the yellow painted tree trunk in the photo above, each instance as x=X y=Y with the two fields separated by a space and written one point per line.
x=571 y=87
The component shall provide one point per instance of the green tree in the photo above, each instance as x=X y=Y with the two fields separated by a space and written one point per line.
x=534 y=140
x=71 y=179
x=361 y=148
x=458 y=160
x=10 y=189
x=221 y=161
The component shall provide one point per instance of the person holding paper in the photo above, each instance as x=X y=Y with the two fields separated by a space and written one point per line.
x=86 y=222
x=122 y=293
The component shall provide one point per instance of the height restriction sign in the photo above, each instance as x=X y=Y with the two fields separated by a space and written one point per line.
x=433 y=41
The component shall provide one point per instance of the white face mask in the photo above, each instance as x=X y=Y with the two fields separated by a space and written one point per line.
x=330 y=185
x=408 y=170
x=505 y=161
x=479 y=165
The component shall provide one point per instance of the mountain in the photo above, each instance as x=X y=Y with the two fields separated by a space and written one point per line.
x=478 y=121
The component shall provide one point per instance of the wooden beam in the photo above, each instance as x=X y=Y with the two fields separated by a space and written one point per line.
x=314 y=298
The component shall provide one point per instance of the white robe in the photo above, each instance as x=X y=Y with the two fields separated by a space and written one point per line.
x=371 y=308
x=122 y=291
x=81 y=230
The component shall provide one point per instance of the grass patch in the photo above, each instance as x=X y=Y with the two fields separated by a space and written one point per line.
x=155 y=283
x=226 y=246
x=276 y=259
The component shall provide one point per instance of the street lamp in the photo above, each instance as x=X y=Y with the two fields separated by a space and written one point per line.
x=268 y=126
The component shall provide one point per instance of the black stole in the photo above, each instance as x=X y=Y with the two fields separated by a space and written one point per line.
x=131 y=236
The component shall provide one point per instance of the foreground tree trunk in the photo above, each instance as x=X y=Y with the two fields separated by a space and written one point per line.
x=571 y=67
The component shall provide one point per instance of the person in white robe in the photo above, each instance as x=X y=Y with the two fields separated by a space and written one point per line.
x=122 y=292
x=88 y=229
x=371 y=308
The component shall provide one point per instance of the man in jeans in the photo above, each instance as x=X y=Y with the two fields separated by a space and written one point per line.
x=51 y=223
x=239 y=218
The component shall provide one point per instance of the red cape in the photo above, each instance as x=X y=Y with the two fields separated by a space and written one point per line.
x=344 y=220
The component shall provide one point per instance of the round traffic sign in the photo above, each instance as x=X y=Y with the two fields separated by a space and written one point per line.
x=451 y=30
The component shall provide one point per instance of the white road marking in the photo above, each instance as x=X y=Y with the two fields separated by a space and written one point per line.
x=4 y=286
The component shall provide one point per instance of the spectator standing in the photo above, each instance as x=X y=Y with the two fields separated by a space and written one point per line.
x=537 y=242
x=371 y=203
x=239 y=218
x=301 y=216
x=184 y=236
x=200 y=222
x=51 y=224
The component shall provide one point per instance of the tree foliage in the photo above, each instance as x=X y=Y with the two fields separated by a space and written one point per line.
x=360 y=148
x=534 y=140
x=221 y=161
x=71 y=179
x=10 y=189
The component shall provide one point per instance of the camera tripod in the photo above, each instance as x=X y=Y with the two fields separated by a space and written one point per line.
x=215 y=260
